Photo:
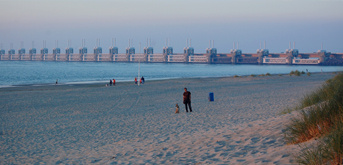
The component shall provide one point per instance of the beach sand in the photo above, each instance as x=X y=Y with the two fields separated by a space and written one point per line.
x=129 y=124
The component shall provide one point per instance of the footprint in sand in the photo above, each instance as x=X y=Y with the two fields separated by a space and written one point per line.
x=240 y=160
x=160 y=155
x=221 y=143
x=171 y=154
x=255 y=140
x=253 y=152
x=239 y=154
x=224 y=154
x=209 y=156
x=266 y=142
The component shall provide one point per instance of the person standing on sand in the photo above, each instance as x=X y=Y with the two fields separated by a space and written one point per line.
x=187 y=100
x=114 y=82
x=135 y=80
x=110 y=82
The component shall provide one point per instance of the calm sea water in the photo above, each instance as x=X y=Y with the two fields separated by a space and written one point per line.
x=38 y=72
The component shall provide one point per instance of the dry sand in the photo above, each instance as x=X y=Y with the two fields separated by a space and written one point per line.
x=127 y=124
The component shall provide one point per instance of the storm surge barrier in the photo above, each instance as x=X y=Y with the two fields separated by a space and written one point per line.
x=236 y=56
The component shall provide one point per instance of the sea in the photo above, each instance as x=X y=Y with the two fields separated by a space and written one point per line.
x=24 y=73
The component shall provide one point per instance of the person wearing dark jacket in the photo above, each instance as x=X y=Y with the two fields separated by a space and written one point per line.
x=187 y=100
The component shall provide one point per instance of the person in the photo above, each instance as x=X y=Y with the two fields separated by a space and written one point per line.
x=110 y=82
x=56 y=81
x=187 y=99
x=114 y=82
x=135 y=80
x=142 y=80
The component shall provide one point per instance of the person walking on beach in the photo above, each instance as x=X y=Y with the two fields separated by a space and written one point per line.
x=135 y=80
x=187 y=99
x=142 y=80
x=114 y=82
x=110 y=82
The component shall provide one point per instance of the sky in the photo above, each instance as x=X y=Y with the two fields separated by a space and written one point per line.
x=307 y=23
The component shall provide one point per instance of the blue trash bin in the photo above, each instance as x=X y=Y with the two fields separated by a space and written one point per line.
x=211 y=96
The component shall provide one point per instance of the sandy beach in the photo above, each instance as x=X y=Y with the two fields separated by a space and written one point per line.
x=129 y=124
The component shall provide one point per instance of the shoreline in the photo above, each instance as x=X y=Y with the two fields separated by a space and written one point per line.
x=99 y=83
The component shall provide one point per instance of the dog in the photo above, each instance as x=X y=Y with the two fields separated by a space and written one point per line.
x=177 y=108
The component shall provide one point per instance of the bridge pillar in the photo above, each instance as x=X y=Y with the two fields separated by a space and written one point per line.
x=97 y=53
x=32 y=53
x=83 y=53
x=56 y=53
x=210 y=54
x=129 y=52
x=11 y=52
x=188 y=51
x=167 y=51
x=261 y=53
x=2 y=52
x=323 y=56
x=21 y=53
x=44 y=53
x=147 y=52
x=235 y=53
x=291 y=54
x=113 y=53
x=69 y=53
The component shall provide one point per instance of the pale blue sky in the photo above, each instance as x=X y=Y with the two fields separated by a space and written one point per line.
x=307 y=22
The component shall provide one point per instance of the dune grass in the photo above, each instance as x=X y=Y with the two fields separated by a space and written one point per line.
x=322 y=119
x=312 y=155
x=298 y=73
x=328 y=150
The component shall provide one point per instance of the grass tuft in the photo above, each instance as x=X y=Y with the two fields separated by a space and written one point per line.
x=323 y=118
x=312 y=155
x=296 y=73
